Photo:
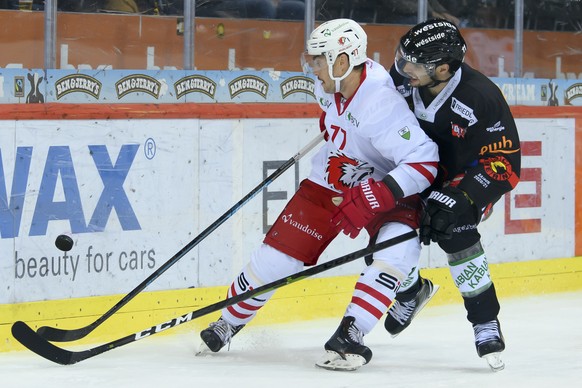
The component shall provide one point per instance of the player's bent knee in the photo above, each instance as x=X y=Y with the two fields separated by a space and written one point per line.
x=269 y=264
x=402 y=257
x=383 y=267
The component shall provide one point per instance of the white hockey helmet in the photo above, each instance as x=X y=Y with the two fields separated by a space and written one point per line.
x=335 y=37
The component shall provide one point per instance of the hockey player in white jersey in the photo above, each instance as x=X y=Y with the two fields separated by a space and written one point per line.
x=376 y=160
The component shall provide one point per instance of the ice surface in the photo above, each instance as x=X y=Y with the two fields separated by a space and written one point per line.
x=543 y=338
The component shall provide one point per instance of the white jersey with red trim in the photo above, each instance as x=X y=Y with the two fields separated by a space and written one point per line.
x=371 y=135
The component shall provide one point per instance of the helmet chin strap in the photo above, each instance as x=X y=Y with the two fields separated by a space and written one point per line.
x=338 y=80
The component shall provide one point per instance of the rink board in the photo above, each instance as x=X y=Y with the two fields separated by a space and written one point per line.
x=538 y=220
x=304 y=300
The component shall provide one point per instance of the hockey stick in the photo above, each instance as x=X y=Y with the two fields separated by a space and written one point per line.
x=64 y=335
x=39 y=345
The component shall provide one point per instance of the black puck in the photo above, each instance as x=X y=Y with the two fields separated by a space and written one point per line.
x=64 y=243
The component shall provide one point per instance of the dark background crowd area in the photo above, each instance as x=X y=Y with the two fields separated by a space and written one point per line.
x=548 y=15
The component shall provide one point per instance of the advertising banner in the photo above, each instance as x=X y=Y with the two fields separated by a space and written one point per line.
x=132 y=193
x=238 y=86
x=123 y=190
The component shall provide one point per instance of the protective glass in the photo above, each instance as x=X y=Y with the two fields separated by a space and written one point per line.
x=410 y=69
x=313 y=63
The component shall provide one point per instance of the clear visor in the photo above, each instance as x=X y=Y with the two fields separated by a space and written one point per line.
x=410 y=69
x=313 y=63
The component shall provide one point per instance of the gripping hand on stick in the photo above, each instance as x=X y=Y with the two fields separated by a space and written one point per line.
x=442 y=212
x=360 y=204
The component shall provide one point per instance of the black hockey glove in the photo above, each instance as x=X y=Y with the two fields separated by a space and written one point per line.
x=443 y=209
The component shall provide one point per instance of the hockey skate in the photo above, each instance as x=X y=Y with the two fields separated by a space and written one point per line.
x=345 y=350
x=407 y=306
x=490 y=343
x=217 y=335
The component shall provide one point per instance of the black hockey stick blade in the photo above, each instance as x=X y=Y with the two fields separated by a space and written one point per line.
x=64 y=335
x=39 y=345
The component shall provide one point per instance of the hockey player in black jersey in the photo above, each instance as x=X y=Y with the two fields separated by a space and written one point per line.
x=467 y=116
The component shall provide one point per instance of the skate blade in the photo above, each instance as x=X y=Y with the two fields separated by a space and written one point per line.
x=203 y=350
x=494 y=361
x=333 y=361
x=434 y=291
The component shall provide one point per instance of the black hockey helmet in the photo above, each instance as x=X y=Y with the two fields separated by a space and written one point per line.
x=433 y=42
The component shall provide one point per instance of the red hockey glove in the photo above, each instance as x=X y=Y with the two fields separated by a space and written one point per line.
x=360 y=204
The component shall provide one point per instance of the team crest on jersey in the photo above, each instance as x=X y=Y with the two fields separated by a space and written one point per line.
x=458 y=131
x=498 y=168
x=404 y=133
x=344 y=172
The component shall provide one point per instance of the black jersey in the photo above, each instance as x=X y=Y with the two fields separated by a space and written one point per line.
x=475 y=131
